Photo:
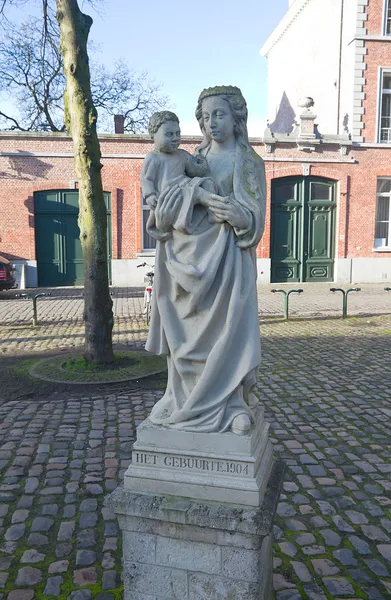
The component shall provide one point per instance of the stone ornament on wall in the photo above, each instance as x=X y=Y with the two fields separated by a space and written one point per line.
x=306 y=102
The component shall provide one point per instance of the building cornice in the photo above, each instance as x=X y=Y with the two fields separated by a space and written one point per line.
x=112 y=137
x=295 y=159
x=290 y=16
x=373 y=38
x=312 y=160
x=379 y=145
x=64 y=155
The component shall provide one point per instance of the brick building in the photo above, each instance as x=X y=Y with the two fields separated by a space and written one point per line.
x=328 y=164
x=338 y=53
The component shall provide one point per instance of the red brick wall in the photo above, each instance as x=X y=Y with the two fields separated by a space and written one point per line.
x=378 y=55
x=375 y=11
x=356 y=200
x=22 y=176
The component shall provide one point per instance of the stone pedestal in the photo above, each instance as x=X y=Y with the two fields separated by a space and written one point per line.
x=196 y=513
x=221 y=467
x=180 y=549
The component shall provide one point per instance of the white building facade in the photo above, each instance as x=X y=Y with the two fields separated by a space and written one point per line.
x=313 y=52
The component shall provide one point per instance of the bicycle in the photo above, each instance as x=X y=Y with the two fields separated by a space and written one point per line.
x=148 y=291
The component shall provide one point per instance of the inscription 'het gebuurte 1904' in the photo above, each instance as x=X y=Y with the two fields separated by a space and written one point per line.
x=193 y=464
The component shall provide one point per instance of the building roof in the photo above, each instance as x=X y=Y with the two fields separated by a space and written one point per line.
x=293 y=12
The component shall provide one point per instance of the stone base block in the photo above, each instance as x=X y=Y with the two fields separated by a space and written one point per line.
x=221 y=467
x=178 y=549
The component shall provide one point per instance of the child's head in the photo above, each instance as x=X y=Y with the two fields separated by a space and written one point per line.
x=164 y=130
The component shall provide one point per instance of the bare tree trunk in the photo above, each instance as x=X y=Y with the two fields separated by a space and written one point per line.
x=80 y=119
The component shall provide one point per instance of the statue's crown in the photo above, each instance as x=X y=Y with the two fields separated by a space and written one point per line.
x=220 y=90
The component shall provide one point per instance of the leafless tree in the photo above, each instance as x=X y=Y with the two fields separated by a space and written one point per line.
x=125 y=92
x=31 y=73
x=81 y=121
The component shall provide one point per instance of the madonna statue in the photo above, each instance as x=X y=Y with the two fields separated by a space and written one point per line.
x=205 y=313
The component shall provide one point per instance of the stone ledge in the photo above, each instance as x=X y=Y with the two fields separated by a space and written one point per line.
x=239 y=519
x=147 y=530
x=158 y=438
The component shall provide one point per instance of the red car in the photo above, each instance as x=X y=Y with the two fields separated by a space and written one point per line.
x=7 y=275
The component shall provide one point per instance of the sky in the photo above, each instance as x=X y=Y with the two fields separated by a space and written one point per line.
x=187 y=46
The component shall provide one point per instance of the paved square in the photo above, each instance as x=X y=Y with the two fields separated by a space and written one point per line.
x=326 y=387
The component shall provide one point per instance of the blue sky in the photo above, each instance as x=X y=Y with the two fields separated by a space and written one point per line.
x=187 y=46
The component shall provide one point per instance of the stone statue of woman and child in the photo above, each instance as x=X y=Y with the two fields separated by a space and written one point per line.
x=207 y=215
x=193 y=495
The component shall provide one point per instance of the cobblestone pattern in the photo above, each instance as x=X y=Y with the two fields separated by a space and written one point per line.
x=66 y=304
x=325 y=385
x=22 y=338
x=58 y=460
x=61 y=321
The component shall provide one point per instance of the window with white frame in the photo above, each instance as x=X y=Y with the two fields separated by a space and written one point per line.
x=387 y=17
x=149 y=243
x=385 y=108
x=383 y=201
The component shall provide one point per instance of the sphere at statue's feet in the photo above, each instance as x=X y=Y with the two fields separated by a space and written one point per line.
x=241 y=425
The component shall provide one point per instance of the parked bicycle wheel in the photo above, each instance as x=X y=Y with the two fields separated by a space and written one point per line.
x=148 y=292
x=148 y=312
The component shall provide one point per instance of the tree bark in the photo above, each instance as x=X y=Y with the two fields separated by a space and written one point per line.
x=80 y=119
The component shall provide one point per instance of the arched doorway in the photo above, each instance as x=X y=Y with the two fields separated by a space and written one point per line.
x=302 y=229
x=57 y=238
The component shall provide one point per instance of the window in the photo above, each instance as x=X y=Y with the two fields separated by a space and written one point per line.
x=149 y=243
x=385 y=115
x=382 y=226
x=387 y=17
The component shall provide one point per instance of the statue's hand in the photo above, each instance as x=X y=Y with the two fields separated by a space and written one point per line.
x=151 y=201
x=203 y=196
x=226 y=209
x=167 y=207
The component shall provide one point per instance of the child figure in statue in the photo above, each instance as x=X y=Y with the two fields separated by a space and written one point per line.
x=167 y=164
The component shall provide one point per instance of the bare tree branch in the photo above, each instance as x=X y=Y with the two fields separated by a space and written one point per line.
x=123 y=91
x=15 y=125
x=31 y=72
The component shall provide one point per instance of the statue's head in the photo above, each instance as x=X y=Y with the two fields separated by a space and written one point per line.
x=157 y=120
x=164 y=130
x=227 y=101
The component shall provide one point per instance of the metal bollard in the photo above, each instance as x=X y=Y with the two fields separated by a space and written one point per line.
x=34 y=298
x=286 y=299
x=345 y=298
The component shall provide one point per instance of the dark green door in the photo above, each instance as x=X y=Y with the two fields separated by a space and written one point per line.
x=302 y=229
x=57 y=238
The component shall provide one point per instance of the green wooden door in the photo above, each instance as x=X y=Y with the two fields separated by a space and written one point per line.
x=302 y=229
x=57 y=238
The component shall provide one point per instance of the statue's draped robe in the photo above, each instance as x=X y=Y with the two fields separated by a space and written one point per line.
x=205 y=314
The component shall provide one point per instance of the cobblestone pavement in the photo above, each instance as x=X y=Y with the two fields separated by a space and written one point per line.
x=326 y=388
x=66 y=304
x=60 y=316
